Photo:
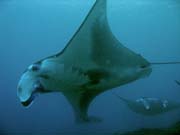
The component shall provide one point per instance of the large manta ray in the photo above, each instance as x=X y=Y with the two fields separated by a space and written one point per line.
x=92 y=62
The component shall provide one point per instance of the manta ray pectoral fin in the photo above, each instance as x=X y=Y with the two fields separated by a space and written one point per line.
x=80 y=101
x=80 y=45
x=94 y=43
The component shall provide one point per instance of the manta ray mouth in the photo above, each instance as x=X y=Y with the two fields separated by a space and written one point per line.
x=29 y=101
x=38 y=88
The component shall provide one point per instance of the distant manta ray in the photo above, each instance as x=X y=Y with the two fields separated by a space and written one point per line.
x=92 y=62
x=150 y=106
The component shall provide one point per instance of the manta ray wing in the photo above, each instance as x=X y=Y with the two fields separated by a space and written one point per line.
x=82 y=45
x=94 y=43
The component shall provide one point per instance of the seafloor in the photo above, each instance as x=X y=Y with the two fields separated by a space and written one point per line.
x=173 y=130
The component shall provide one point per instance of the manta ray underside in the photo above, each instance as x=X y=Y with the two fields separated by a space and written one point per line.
x=92 y=62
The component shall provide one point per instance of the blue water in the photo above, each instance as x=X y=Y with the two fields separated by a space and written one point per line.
x=34 y=29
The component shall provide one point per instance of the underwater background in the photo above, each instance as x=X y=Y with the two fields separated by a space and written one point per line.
x=34 y=29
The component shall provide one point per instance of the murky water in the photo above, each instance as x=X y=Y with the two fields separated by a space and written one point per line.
x=31 y=30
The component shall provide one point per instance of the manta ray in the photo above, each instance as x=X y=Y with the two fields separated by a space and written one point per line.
x=92 y=62
x=150 y=106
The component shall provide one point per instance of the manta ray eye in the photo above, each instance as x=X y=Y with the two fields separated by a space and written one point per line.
x=35 y=67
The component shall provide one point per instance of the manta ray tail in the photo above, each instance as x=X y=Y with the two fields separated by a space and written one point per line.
x=165 y=63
